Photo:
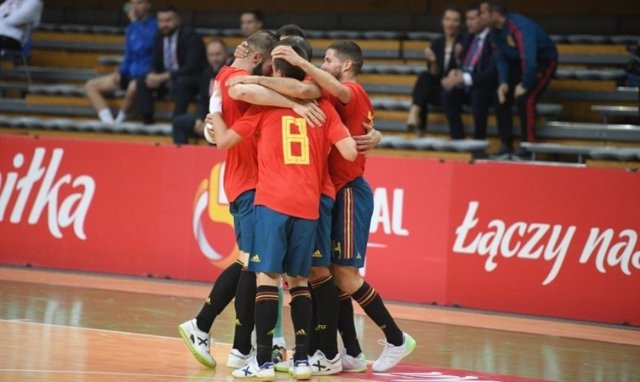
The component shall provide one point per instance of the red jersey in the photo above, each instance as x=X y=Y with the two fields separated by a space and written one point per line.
x=241 y=165
x=353 y=114
x=291 y=157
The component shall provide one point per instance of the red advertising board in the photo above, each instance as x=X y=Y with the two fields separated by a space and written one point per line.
x=555 y=241
x=543 y=240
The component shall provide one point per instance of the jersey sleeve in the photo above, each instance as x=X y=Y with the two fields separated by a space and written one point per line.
x=247 y=125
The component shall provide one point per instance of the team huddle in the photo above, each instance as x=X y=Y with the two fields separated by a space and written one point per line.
x=296 y=144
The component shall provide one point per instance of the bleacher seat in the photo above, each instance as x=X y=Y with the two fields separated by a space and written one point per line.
x=616 y=111
x=588 y=39
x=535 y=148
x=617 y=153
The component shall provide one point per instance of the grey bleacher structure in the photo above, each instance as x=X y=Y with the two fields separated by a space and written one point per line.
x=616 y=111
x=550 y=112
x=587 y=131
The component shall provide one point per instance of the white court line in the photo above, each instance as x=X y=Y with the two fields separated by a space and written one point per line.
x=114 y=373
x=27 y=322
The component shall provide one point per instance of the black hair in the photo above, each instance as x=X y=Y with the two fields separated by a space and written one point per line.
x=284 y=66
x=290 y=30
x=349 y=50
x=304 y=44
x=258 y=14
x=168 y=8
x=499 y=6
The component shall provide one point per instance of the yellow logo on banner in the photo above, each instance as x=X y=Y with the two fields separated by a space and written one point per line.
x=210 y=203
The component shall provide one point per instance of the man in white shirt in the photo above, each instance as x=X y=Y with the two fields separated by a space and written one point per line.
x=476 y=82
x=17 y=18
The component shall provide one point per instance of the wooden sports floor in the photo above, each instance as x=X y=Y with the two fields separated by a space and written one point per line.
x=64 y=326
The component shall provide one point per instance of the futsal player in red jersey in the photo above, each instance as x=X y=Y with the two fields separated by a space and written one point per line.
x=239 y=182
x=353 y=208
x=291 y=159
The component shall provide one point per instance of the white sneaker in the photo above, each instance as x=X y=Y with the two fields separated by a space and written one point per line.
x=352 y=364
x=236 y=359
x=301 y=369
x=320 y=365
x=265 y=372
x=198 y=342
x=391 y=355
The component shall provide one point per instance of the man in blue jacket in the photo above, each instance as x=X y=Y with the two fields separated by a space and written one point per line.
x=135 y=64
x=527 y=59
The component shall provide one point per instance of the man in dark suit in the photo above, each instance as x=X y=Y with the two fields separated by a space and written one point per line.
x=190 y=125
x=178 y=60
x=476 y=82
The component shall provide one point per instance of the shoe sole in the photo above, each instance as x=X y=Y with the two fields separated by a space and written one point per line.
x=354 y=370
x=269 y=378
x=194 y=352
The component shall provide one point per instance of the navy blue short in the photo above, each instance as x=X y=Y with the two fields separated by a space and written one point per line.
x=282 y=243
x=242 y=211
x=351 y=221
x=322 y=252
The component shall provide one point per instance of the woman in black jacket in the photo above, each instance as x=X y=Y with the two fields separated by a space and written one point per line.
x=442 y=56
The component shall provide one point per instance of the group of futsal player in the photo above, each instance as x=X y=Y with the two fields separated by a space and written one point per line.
x=296 y=143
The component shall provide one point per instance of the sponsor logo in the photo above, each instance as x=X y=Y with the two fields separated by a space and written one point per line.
x=255 y=259
x=497 y=240
x=66 y=198
x=211 y=203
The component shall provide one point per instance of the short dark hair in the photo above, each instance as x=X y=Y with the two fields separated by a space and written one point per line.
x=220 y=41
x=285 y=67
x=499 y=6
x=262 y=41
x=290 y=30
x=168 y=8
x=303 y=43
x=349 y=50
x=474 y=7
x=453 y=8
x=258 y=14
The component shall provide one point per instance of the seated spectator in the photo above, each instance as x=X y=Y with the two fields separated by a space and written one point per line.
x=178 y=61
x=251 y=21
x=17 y=19
x=138 y=52
x=476 y=82
x=442 y=57
x=192 y=124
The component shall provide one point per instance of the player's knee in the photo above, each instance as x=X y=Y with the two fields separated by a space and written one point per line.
x=319 y=273
x=243 y=258
x=295 y=282
x=347 y=278
x=267 y=279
